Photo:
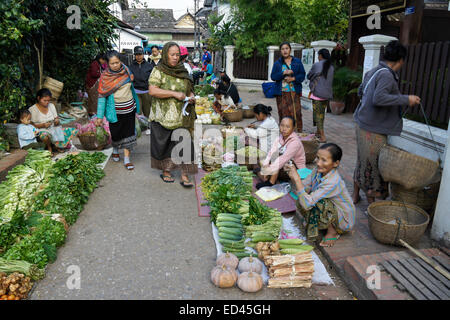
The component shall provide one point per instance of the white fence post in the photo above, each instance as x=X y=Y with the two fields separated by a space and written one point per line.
x=229 y=51
x=372 y=46
x=271 y=50
x=322 y=44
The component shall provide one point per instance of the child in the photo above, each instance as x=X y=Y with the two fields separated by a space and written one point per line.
x=27 y=133
x=323 y=199
x=221 y=101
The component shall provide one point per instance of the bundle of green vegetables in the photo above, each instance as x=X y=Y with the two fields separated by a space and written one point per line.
x=28 y=269
x=231 y=234
x=227 y=189
x=74 y=178
x=203 y=90
x=250 y=152
x=267 y=231
x=22 y=182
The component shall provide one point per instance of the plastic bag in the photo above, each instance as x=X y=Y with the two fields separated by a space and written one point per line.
x=101 y=135
x=57 y=133
x=275 y=192
x=138 y=130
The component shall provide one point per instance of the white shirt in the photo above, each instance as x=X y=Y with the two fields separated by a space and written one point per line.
x=188 y=67
x=267 y=132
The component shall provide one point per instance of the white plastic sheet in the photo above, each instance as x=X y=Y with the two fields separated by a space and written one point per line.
x=320 y=275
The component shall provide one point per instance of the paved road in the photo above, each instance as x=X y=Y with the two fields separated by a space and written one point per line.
x=140 y=238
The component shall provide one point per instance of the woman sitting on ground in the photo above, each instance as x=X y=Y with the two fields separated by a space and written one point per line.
x=323 y=199
x=229 y=88
x=287 y=147
x=222 y=101
x=267 y=130
x=45 y=118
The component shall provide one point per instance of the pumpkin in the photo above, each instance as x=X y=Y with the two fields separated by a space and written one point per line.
x=250 y=282
x=223 y=276
x=250 y=264
x=228 y=259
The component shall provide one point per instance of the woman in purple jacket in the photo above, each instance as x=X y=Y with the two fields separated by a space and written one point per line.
x=288 y=73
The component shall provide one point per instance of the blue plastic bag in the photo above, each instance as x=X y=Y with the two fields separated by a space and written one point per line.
x=268 y=88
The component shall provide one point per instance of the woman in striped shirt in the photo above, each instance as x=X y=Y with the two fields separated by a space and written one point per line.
x=119 y=102
x=323 y=199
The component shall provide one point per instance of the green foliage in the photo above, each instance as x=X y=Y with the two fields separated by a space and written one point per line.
x=258 y=24
x=346 y=81
x=221 y=34
x=27 y=25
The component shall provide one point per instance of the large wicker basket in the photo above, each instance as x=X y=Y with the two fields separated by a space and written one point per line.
x=89 y=141
x=390 y=221
x=248 y=113
x=409 y=170
x=424 y=198
x=235 y=116
x=311 y=147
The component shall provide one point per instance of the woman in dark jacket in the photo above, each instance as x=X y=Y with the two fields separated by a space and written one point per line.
x=378 y=115
x=91 y=83
x=321 y=86
x=288 y=73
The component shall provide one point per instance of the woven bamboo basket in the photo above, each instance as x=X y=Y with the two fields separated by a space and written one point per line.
x=89 y=142
x=390 y=221
x=235 y=116
x=311 y=147
x=424 y=198
x=409 y=170
x=248 y=113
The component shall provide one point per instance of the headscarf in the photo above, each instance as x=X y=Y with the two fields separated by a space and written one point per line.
x=178 y=71
x=111 y=81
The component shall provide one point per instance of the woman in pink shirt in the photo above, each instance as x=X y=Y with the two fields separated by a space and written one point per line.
x=287 y=147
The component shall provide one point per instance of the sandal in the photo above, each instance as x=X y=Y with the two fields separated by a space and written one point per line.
x=324 y=240
x=115 y=157
x=129 y=166
x=167 y=179
x=187 y=184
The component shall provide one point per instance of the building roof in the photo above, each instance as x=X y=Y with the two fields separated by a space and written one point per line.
x=208 y=3
x=148 y=19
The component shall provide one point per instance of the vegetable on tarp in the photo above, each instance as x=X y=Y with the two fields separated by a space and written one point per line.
x=28 y=269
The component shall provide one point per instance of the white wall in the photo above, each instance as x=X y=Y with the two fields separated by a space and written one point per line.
x=116 y=10
x=127 y=40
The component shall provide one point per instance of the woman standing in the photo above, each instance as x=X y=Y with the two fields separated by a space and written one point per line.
x=119 y=102
x=288 y=73
x=155 y=56
x=170 y=84
x=45 y=118
x=321 y=86
x=378 y=115
x=91 y=83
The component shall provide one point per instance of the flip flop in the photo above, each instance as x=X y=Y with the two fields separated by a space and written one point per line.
x=186 y=184
x=129 y=166
x=164 y=178
x=330 y=239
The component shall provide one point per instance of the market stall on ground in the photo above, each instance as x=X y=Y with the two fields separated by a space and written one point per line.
x=39 y=200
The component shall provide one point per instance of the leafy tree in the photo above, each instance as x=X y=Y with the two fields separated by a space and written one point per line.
x=260 y=23
x=35 y=40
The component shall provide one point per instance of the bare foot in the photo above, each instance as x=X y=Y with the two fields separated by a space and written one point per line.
x=330 y=238
x=356 y=198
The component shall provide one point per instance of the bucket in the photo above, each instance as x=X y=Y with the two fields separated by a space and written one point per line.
x=55 y=86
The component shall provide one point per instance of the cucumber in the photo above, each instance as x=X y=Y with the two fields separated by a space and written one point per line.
x=230 y=215
x=232 y=250
x=236 y=231
x=244 y=254
x=297 y=250
x=290 y=241
x=232 y=244
x=289 y=246
x=230 y=219
x=262 y=237
x=228 y=236
x=228 y=224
